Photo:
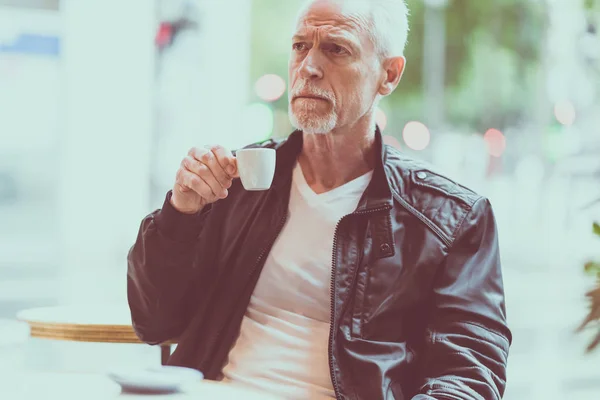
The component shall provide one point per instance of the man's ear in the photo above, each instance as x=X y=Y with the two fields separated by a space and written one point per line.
x=394 y=69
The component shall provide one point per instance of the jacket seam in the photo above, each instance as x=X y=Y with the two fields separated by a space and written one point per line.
x=432 y=171
x=447 y=193
x=439 y=209
x=434 y=228
x=479 y=341
x=390 y=234
x=437 y=384
x=490 y=331
x=362 y=306
x=457 y=229
x=475 y=367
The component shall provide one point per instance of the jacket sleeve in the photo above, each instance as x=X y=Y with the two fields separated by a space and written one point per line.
x=467 y=342
x=162 y=267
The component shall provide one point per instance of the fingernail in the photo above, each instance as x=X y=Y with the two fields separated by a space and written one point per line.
x=230 y=169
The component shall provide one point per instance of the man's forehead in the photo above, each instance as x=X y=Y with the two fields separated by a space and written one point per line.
x=338 y=16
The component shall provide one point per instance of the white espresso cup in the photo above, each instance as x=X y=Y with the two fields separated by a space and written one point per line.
x=256 y=168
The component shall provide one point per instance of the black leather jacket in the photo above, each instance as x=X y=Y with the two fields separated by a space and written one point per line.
x=417 y=305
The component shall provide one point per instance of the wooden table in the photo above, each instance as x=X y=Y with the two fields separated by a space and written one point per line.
x=91 y=323
x=56 y=385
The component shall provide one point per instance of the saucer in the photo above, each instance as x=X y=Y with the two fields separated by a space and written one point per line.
x=161 y=379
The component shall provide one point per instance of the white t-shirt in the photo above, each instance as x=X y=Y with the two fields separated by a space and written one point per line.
x=283 y=343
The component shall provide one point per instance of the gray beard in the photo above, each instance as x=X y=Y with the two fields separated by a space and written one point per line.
x=314 y=126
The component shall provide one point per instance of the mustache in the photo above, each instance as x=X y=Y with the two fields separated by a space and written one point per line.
x=307 y=89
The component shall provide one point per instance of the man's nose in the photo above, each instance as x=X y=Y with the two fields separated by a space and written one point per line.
x=310 y=67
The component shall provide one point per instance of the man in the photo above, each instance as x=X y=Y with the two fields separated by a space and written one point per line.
x=360 y=274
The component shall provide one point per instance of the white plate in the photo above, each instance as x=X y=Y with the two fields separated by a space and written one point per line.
x=162 y=379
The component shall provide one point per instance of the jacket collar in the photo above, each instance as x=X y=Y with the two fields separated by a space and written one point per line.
x=377 y=195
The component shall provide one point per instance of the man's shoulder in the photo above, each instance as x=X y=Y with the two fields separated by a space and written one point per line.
x=437 y=200
x=412 y=174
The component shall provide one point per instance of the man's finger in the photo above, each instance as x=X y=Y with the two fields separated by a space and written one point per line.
x=225 y=159
x=204 y=172
x=192 y=181
x=207 y=158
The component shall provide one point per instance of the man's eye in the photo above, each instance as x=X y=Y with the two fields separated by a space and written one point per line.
x=338 y=50
x=299 y=46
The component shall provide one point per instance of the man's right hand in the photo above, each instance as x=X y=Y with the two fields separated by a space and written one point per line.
x=203 y=178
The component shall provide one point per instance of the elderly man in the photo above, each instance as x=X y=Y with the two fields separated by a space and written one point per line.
x=360 y=274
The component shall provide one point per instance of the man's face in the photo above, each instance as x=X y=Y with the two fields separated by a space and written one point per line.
x=334 y=71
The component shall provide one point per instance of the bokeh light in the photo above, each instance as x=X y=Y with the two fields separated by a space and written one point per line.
x=495 y=141
x=565 y=113
x=258 y=120
x=380 y=119
x=270 y=87
x=416 y=135
x=392 y=141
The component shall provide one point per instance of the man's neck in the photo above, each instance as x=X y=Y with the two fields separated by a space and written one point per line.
x=333 y=159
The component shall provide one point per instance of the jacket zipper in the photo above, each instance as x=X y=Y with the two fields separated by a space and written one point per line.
x=332 y=292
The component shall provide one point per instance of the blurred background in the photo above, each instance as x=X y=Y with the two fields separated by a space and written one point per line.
x=100 y=100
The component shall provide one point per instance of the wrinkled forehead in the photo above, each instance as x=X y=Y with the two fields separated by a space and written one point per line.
x=347 y=17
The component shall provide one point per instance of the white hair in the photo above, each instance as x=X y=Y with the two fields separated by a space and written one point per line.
x=387 y=24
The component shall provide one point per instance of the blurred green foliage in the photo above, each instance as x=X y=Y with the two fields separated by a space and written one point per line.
x=512 y=25
x=593 y=267
x=592 y=4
